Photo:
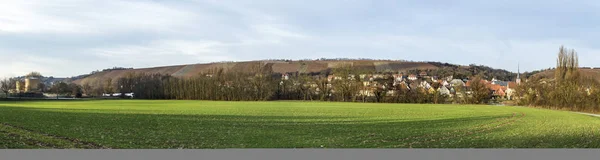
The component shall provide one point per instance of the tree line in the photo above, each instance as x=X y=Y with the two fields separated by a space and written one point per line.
x=262 y=84
x=568 y=90
x=460 y=72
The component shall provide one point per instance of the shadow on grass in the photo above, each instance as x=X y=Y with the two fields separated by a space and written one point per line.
x=16 y=100
x=129 y=130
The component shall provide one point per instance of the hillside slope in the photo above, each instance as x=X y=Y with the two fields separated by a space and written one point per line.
x=311 y=67
x=586 y=72
x=277 y=67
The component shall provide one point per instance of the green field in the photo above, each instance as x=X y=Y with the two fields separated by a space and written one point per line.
x=284 y=124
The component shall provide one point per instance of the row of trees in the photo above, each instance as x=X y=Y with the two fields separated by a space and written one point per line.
x=460 y=72
x=262 y=84
x=569 y=89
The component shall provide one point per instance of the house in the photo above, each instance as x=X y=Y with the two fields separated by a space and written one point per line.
x=510 y=90
x=500 y=93
x=501 y=83
x=498 y=82
x=444 y=91
x=412 y=77
x=497 y=90
x=285 y=76
x=431 y=90
x=434 y=78
x=510 y=93
x=457 y=82
x=404 y=86
x=444 y=83
x=423 y=74
x=425 y=85
x=449 y=78
x=412 y=86
x=512 y=85
x=397 y=77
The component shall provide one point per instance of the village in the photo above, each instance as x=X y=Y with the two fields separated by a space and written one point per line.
x=370 y=85
x=446 y=86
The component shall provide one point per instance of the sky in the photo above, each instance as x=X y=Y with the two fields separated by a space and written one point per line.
x=64 y=38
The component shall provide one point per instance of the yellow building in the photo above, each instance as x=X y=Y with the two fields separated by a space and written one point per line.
x=431 y=90
x=30 y=85
x=20 y=86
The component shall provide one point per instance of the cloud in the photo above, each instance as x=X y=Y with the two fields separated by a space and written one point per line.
x=90 y=17
x=22 y=17
x=275 y=31
x=56 y=35
x=164 y=52
x=18 y=64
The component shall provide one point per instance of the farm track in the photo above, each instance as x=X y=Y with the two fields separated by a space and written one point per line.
x=462 y=132
x=30 y=141
x=72 y=141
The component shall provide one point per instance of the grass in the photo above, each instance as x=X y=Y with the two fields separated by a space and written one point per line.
x=147 y=124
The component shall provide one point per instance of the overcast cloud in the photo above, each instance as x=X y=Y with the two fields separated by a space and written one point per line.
x=72 y=37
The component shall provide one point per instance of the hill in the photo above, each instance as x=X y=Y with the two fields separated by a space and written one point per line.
x=308 y=67
x=586 y=71
x=277 y=66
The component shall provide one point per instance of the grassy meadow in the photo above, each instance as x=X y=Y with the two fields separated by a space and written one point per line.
x=146 y=124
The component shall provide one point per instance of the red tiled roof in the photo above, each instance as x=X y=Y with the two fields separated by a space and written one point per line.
x=500 y=92
x=512 y=85
x=495 y=87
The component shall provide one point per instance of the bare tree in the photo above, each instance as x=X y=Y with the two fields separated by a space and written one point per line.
x=60 y=88
x=480 y=92
x=34 y=74
x=108 y=86
x=86 y=88
x=6 y=85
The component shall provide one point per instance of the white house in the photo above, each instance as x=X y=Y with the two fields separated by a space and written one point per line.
x=445 y=83
x=444 y=91
x=412 y=77
x=510 y=93
x=425 y=85
x=285 y=77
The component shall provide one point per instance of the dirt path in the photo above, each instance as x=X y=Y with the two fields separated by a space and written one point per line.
x=427 y=138
x=44 y=140
x=589 y=114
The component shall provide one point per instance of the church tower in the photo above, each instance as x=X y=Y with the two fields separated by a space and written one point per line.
x=518 y=73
